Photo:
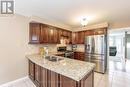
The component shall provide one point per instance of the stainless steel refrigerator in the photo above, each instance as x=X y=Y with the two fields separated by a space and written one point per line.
x=96 y=51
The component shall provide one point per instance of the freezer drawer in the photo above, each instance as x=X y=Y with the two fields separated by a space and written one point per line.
x=100 y=66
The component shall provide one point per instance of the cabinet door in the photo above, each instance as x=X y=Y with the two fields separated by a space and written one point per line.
x=60 y=33
x=53 y=80
x=70 y=37
x=88 y=81
x=89 y=32
x=79 y=56
x=74 y=37
x=34 y=33
x=67 y=82
x=37 y=75
x=44 y=79
x=55 y=35
x=52 y=35
x=81 y=37
x=65 y=33
x=76 y=55
x=44 y=34
x=31 y=70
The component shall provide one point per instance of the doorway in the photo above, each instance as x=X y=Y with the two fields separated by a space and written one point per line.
x=119 y=49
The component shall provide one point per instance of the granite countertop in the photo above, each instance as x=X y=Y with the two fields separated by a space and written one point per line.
x=71 y=68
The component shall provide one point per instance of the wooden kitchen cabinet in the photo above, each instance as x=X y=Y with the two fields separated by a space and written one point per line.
x=37 y=76
x=60 y=33
x=75 y=38
x=67 y=35
x=42 y=77
x=31 y=70
x=96 y=32
x=81 y=37
x=79 y=56
x=64 y=32
x=53 y=79
x=88 y=81
x=55 y=35
x=49 y=34
x=78 y=37
x=67 y=82
x=44 y=34
x=35 y=33
x=100 y=31
x=35 y=73
x=89 y=32
x=70 y=37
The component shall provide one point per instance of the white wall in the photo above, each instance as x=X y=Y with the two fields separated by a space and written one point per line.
x=13 y=47
x=14 y=37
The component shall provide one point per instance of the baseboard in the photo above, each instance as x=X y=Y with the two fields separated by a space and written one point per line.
x=13 y=82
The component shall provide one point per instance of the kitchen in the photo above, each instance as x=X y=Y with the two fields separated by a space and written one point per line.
x=46 y=34
x=58 y=46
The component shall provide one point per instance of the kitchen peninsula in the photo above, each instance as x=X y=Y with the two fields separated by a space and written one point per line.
x=63 y=72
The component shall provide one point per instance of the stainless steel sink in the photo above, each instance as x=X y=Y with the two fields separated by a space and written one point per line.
x=53 y=58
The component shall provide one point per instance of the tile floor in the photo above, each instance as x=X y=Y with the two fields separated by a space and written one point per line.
x=118 y=76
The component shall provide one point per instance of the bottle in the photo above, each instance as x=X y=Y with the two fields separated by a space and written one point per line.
x=41 y=51
x=46 y=50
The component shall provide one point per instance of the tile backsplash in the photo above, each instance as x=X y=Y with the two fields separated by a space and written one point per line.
x=81 y=48
x=51 y=47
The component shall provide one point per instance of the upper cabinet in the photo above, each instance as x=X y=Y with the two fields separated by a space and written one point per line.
x=100 y=31
x=46 y=34
x=75 y=38
x=79 y=37
x=89 y=32
x=96 y=32
x=35 y=33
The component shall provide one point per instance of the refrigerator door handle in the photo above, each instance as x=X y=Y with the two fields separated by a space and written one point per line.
x=88 y=47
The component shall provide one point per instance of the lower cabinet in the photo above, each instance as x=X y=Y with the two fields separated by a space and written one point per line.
x=42 y=77
x=88 y=81
x=67 y=82
x=35 y=73
x=53 y=79
x=31 y=70
x=37 y=77
x=79 y=56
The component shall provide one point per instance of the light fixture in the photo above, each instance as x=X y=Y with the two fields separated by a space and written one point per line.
x=84 y=22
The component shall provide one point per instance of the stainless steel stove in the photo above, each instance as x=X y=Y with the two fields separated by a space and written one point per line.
x=67 y=53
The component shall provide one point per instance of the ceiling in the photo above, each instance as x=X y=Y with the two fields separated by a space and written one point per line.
x=70 y=12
